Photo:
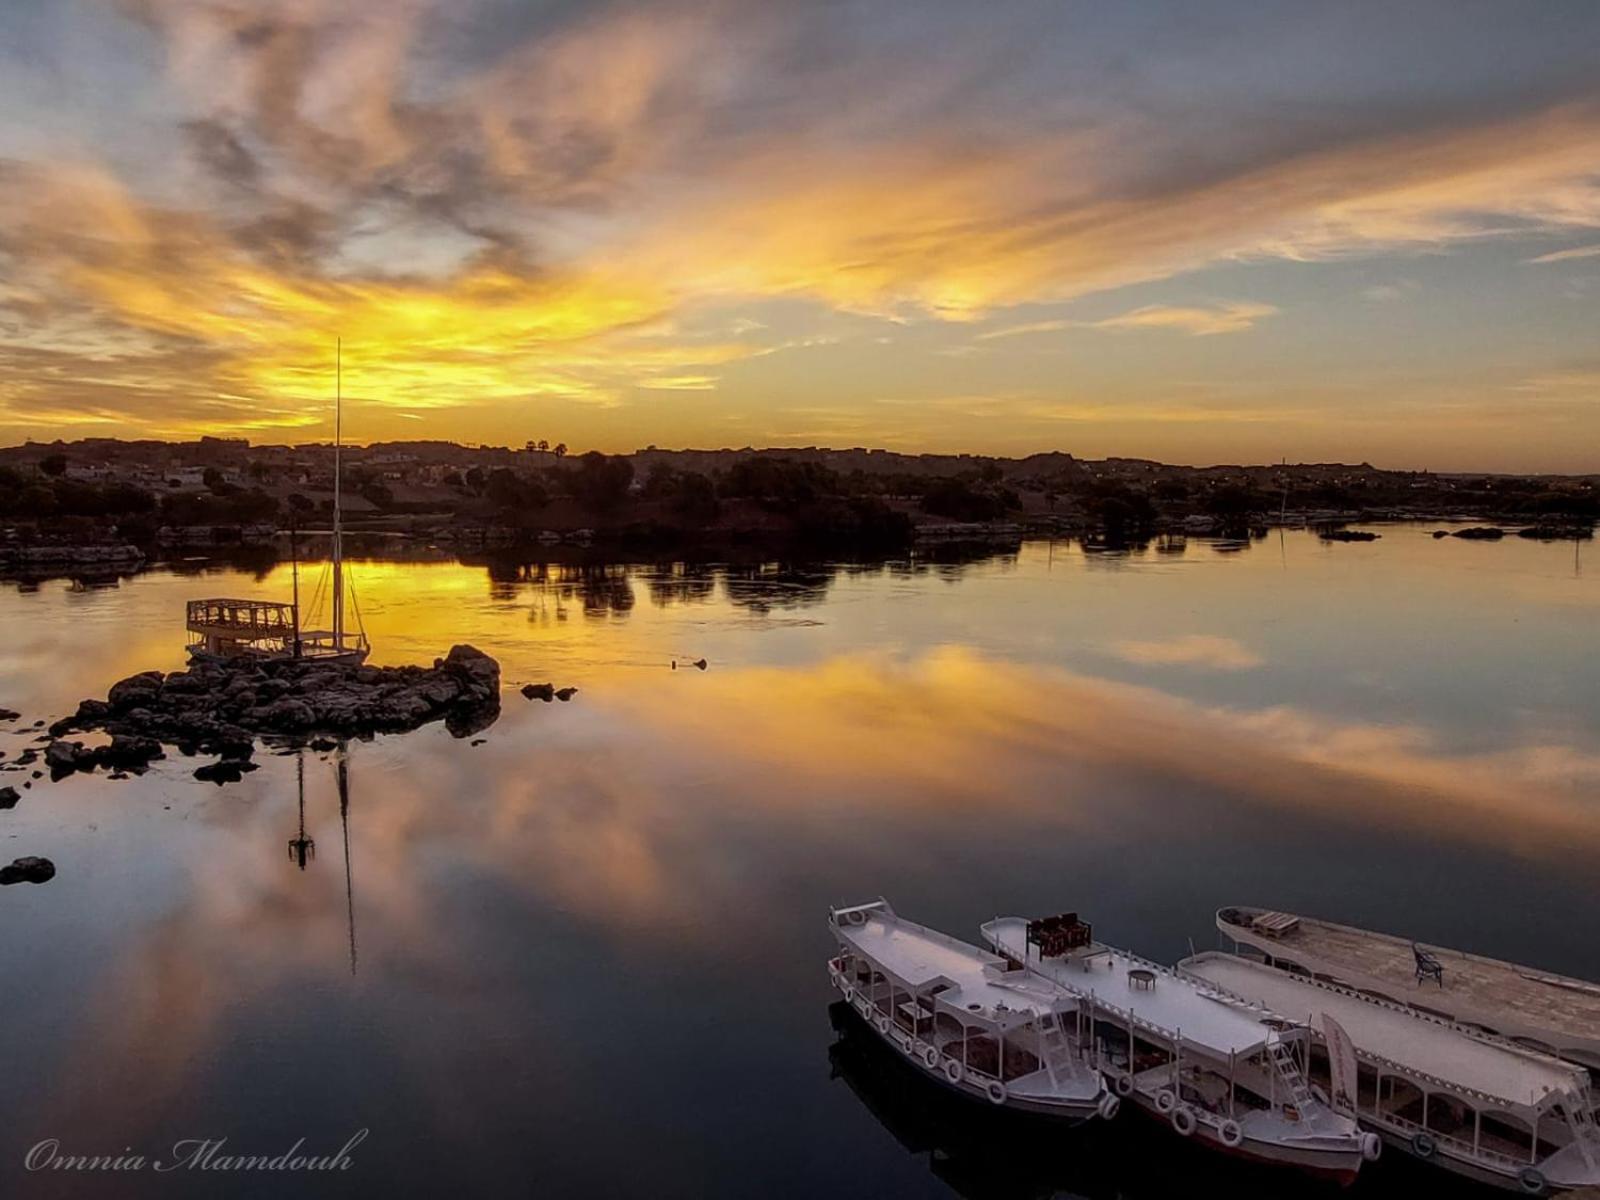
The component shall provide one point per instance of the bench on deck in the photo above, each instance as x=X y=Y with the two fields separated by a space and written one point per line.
x=1275 y=924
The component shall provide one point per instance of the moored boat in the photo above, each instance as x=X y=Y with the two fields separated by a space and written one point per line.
x=964 y=1016
x=1468 y=1102
x=224 y=630
x=1541 y=1010
x=1182 y=1051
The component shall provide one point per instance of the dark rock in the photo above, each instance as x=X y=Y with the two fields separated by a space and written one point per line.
x=130 y=752
x=566 y=693
x=28 y=756
x=226 y=770
x=64 y=758
x=143 y=688
x=62 y=727
x=9 y=714
x=221 y=709
x=1347 y=535
x=28 y=870
x=1480 y=533
x=9 y=797
x=700 y=663
x=1440 y=533
x=324 y=745
x=539 y=691
x=183 y=683
x=480 y=741
x=93 y=710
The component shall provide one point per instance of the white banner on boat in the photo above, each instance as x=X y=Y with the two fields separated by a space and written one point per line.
x=1341 y=1066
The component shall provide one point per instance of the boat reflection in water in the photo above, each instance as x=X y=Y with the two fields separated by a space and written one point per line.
x=984 y=1153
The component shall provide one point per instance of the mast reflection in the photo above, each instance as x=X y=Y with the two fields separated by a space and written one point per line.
x=303 y=848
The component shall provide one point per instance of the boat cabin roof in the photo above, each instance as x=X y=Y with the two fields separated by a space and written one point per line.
x=1416 y=1044
x=1154 y=995
x=1484 y=990
x=921 y=958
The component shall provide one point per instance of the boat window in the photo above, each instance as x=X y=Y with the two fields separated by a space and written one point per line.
x=1505 y=1133
x=1450 y=1117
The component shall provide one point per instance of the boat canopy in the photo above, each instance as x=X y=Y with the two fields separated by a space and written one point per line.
x=1408 y=1042
x=925 y=961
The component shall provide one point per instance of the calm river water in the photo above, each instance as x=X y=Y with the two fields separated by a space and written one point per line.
x=585 y=958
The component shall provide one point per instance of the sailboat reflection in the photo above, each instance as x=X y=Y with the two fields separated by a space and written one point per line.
x=985 y=1154
x=303 y=848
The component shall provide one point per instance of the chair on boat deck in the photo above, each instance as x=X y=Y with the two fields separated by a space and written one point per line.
x=1428 y=967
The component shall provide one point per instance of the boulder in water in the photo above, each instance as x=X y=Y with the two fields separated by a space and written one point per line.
x=28 y=870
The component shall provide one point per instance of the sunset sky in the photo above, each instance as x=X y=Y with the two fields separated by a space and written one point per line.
x=1211 y=232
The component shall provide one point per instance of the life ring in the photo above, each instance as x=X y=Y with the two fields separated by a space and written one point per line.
x=1108 y=1106
x=863 y=1005
x=1532 y=1181
x=1183 y=1119
x=855 y=917
x=882 y=1022
x=1230 y=1134
x=1423 y=1145
x=1123 y=1084
x=1371 y=1146
x=954 y=1071
x=848 y=992
x=996 y=1091
x=1166 y=1101
x=930 y=1057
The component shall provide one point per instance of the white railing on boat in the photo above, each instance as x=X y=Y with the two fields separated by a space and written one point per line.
x=1460 y=1146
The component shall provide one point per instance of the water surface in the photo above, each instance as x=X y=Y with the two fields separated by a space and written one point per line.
x=586 y=956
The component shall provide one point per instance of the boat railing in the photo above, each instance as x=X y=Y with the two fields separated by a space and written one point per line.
x=1579 y=1077
x=866 y=1004
x=1459 y=1146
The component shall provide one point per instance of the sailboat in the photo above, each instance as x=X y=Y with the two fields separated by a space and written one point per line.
x=223 y=629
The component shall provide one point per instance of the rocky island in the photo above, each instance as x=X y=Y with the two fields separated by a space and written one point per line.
x=221 y=708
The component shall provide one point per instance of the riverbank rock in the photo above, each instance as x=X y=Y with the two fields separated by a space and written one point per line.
x=1480 y=533
x=222 y=708
x=1348 y=535
x=28 y=870
x=226 y=770
x=9 y=714
x=9 y=797
x=539 y=691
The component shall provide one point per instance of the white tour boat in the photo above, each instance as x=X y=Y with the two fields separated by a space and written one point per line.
x=1544 y=1011
x=1467 y=1101
x=964 y=1016
x=1189 y=1055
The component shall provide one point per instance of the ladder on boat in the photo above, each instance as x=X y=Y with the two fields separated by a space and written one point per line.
x=1055 y=1047
x=1288 y=1068
x=1580 y=1117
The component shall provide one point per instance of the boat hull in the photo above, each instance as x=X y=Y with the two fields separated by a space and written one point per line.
x=1338 y=1166
x=1068 y=1112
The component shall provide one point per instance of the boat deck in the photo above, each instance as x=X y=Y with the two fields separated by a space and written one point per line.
x=1505 y=997
x=1426 y=1047
x=1169 y=1002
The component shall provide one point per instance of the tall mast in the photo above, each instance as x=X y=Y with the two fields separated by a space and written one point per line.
x=294 y=558
x=338 y=556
